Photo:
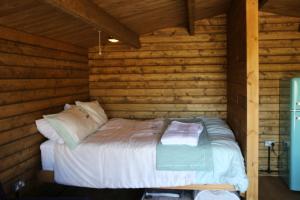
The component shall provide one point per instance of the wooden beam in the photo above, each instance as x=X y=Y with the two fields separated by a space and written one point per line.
x=227 y=187
x=17 y=36
x=252 y=39
x=92 y=14
x=191 y=16
x=243 y=84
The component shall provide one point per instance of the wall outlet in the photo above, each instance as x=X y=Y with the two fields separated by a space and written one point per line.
x=269 y=143
x=18 y=185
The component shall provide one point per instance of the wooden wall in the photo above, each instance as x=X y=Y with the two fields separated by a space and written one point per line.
x=243 y=84
x=37 y=76
x=172 y=75
x=237 y=72
x=279 y=58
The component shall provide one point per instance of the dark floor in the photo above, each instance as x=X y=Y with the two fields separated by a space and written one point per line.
x=270 y=188
x=54 y=190
x=273 y=188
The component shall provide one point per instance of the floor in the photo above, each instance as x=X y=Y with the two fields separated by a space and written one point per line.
x=273 y=188
x=54 y=190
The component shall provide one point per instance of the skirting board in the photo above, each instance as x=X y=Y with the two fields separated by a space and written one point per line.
x=48 y=177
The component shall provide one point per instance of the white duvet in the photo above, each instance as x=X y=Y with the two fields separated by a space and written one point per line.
x=122 y=154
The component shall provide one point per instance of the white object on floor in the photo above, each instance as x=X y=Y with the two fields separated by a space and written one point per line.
x=215 y=195
x=47 y=154
x=179 y=133
x=184 y=195
x=163 y=193
x=153 y=194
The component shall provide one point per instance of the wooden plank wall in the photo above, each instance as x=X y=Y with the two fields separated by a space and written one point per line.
x=237 y=72
x=279 y=58
x=37 y=76
x=172 y=75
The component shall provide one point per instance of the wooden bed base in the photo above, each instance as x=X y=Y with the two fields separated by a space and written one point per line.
x=48 y=177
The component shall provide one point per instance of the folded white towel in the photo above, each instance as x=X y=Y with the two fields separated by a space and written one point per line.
x=179 y=133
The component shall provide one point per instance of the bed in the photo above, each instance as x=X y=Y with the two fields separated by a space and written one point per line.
x=122 y=154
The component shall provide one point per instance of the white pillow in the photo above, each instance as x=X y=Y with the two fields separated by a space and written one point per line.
x=73 y=125
x=68 y=106
x=95 y=111
x=47 y=131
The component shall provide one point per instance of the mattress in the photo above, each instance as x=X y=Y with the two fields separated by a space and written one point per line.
x=122 y=154
x=47 y=154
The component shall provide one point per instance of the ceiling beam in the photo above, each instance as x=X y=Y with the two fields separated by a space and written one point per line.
x=190 y=16
x=90 y=13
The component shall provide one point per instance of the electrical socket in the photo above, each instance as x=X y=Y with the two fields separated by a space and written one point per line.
x=18 y=185
x=269 y=143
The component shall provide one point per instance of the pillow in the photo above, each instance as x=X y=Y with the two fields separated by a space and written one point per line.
x=95 y=111
x=73 y=125
x=68 y=106
x=47 y=131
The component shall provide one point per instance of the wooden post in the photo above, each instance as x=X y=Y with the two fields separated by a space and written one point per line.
x=243 y=84
x=252 y=97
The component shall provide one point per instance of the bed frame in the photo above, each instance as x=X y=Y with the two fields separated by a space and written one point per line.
x=48 y=177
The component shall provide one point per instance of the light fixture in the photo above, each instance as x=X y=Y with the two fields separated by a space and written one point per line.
x=113 y=40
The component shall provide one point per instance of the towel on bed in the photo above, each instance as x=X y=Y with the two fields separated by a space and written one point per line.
x=179 y=133
x=186 y=157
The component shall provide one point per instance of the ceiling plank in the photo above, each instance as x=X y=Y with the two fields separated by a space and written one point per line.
x=92 y=14
x=191 y=16
x=283 y=7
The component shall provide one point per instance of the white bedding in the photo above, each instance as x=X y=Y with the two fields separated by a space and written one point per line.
x=47 y=154
x=122 y=154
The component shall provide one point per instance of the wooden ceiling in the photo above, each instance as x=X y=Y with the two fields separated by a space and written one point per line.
x=283 y=7
x=144 y=16
x=128 y=20
x=37 y=17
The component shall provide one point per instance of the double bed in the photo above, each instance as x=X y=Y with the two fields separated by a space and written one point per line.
x=122 y=154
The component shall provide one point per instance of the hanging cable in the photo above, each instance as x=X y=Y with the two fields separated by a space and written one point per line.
x=99 y=47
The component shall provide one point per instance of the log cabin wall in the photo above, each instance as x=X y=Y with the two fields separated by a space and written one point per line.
x=37 y=76
x=279 y=58
x=237 y=72
x=172 y=75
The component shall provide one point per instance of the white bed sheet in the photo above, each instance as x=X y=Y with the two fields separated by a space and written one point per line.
x=122 y=154
x=47 y=154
